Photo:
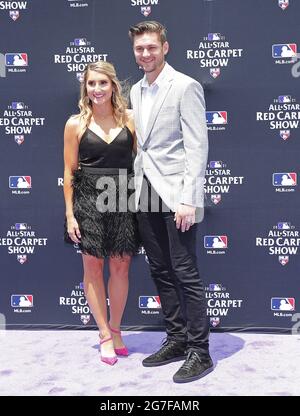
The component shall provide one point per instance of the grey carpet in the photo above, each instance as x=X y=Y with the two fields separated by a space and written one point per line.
x=58 y=363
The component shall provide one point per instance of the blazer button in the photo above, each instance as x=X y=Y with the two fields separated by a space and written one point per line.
x=145 y=149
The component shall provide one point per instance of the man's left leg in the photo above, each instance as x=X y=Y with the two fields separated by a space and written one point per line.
x=184 y=263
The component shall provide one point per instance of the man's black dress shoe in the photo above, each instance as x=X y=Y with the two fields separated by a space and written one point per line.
x=170 y=351
x=195 y=366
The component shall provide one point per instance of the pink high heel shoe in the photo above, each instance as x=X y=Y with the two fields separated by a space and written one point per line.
x=107 y=360
x=120 y=351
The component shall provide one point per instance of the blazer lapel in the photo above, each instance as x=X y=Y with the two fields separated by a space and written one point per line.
x=160 y=98
x=139 y=109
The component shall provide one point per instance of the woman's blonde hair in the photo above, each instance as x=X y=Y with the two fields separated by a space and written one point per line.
x=119 y=103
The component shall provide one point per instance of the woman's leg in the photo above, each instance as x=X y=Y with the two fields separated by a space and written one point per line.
x=95 y=294
x=118 y=292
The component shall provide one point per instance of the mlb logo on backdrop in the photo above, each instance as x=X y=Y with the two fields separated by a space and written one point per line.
x=18 y=182
x=215 y=164
x=23 y=301
x=283 y=4
x=213 y=36
x=19 y=226
x=80 y=76
x=216 y=117
x=80 y=42
x=284 y=226
x=16 y=59
x=285 y=134
x=14 y=14
x=22 y=258
x=149 y=302
x=146 y=10
x=284 y=50
x=215 y=72
x=215 y=321
x=19 y=139
x=283 y=260
x=215 y=287
x=283 y=304
x=85 y=319
x=285 y=179
x=215 y=241
x=216 y=198
x=17 y=105
x=284 y=99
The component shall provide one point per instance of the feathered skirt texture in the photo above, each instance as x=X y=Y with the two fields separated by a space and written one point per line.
x=104 y=233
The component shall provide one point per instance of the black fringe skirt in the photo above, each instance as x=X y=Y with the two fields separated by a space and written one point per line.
x=107 y=227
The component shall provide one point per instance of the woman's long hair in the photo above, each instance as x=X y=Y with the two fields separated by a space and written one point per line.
x=119 y=103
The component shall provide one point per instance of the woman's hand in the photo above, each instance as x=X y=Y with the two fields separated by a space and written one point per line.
x=73 y=229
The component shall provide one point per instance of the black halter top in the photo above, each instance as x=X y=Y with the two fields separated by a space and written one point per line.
x=94 y=152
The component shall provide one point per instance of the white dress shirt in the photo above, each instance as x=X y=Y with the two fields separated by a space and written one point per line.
x=149 y=93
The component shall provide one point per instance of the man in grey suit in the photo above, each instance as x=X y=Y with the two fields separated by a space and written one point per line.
x=172 y=147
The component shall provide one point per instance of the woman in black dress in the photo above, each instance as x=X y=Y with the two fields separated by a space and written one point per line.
x=98 y=145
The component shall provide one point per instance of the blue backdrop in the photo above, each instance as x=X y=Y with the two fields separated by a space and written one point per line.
x=244 y=52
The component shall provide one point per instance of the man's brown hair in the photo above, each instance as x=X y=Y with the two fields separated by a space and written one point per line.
x=148 y=26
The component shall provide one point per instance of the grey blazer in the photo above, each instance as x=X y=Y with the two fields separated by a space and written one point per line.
x=173 y=150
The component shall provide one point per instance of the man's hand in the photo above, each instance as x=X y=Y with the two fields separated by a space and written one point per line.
x=184 y=217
